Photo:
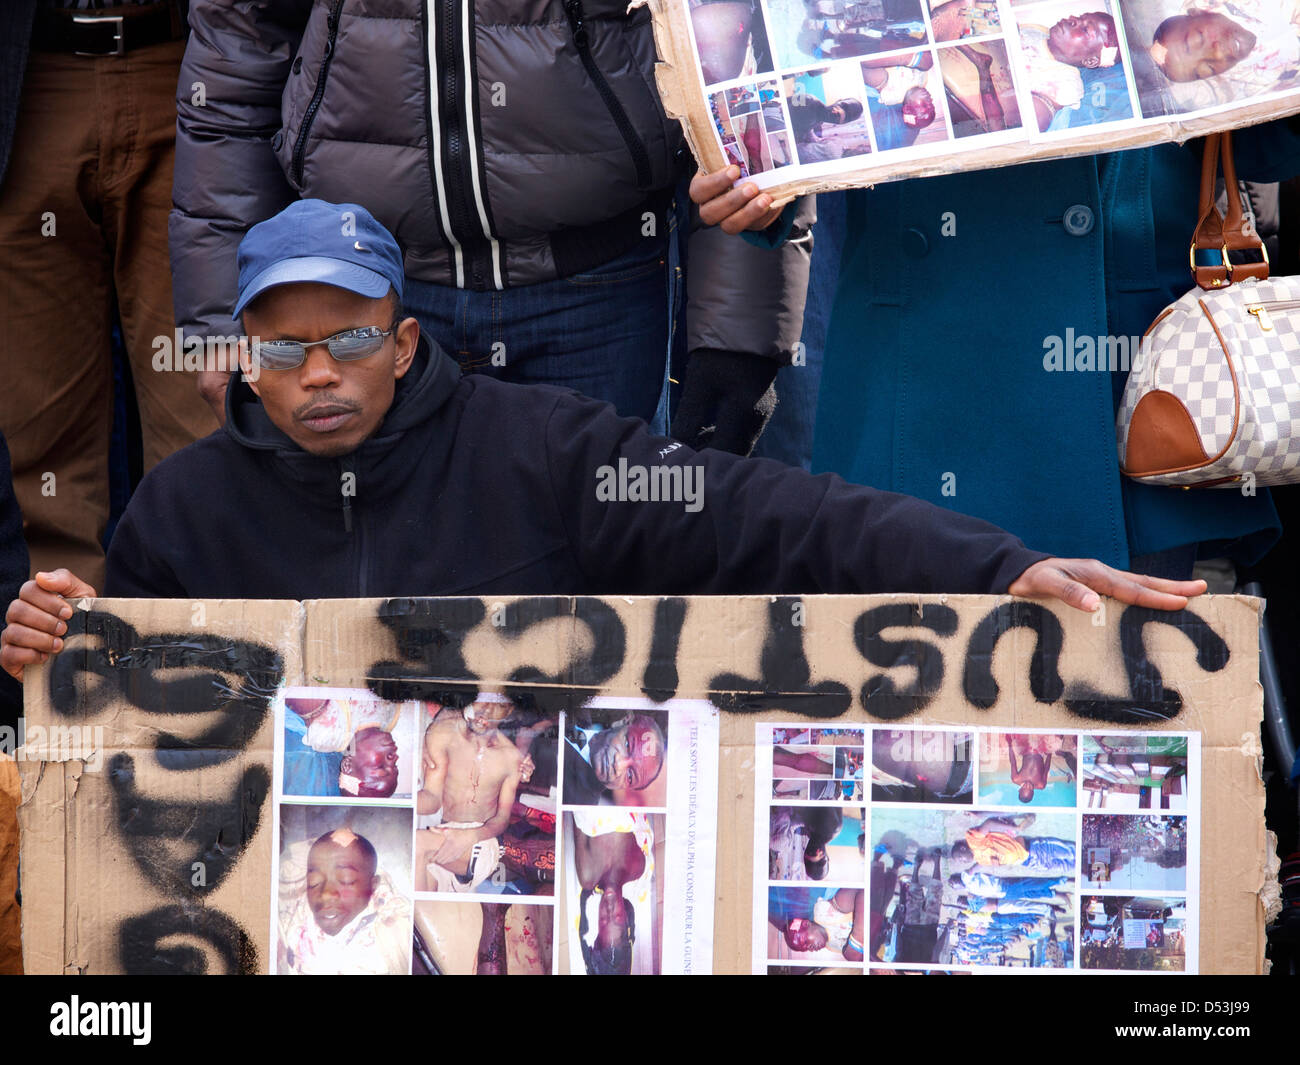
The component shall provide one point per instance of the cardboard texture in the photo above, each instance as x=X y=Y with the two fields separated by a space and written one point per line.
x=109 y=865
x=146 y=779
x=683 y=95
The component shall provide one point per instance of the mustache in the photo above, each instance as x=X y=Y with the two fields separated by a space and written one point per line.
x=320 y=408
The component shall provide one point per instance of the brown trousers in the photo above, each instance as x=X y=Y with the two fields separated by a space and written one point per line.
x=83 y=219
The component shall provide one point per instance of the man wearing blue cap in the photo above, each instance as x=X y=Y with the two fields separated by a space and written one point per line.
x=360 y=463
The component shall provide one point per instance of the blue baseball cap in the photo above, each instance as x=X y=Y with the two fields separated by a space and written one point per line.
x=337 y=244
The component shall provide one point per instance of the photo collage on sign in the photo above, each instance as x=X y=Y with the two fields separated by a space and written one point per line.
x=453 y=836
x=817 y=82
x=975 y=849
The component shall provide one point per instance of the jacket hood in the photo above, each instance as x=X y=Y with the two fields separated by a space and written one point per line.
x=429 y=382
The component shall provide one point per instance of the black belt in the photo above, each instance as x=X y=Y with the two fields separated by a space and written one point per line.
x=106 y=31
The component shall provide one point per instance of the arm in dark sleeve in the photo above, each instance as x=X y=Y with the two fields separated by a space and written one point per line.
x=745 y=299
x=226 y=174
x=744 y=316
x=753 y=525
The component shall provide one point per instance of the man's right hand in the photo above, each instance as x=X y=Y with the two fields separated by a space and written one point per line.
x=37 y=619
x=212 y=387
x=735 y=209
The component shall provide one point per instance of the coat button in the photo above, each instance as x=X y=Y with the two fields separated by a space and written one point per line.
x=1079 y=220
x=915 y=244
x=297 y=65
x=277 y=140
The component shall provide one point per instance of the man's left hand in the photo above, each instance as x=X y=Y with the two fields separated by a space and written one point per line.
x=1080 y=583
x=736 y=209
x=454 y=845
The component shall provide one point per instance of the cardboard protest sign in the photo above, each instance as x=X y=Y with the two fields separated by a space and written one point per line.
x=149 y=845
x=814 y=95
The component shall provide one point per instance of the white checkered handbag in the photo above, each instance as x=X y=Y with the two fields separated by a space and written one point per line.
x=1214 y=398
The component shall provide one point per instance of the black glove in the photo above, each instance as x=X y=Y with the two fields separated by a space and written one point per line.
x=726 y=402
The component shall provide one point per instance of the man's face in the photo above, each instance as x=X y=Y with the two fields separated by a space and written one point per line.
x=324 y=406
x=918 y=107
x=837 y=113
x=628 y=757
x=485 y=717
x=340 y=881
x=612 y=925
x=805 y=935
x=1202 y=44
x=374 y=764
x=1079 y=39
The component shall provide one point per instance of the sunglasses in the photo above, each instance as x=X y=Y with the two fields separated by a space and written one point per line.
x=348 y=346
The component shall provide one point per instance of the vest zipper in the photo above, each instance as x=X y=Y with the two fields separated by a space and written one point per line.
x=309 y=116
x=451 y=98
x=640 y=157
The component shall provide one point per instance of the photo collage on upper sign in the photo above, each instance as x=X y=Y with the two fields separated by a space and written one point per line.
x=817 y=81
x=454 y=835
x=841 y=85
x=974 y=849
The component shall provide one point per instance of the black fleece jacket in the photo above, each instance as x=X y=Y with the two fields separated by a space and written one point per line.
x=475 y=487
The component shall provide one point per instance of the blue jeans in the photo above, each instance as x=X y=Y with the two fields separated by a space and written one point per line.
x=604 y=333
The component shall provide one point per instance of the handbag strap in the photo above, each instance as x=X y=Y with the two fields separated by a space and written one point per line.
x=1217 y=233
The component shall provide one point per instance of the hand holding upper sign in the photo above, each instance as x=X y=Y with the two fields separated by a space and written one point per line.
x=735 y=209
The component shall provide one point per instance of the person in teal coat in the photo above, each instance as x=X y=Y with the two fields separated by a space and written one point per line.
x=957 y=297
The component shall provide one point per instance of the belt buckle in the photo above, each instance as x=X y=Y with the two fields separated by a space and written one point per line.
x=117 y=34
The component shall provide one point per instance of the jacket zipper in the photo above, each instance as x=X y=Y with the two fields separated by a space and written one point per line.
x=347 y=469
x=363 y=564
x=635 y=147
x=450 y=106
x=309 y=116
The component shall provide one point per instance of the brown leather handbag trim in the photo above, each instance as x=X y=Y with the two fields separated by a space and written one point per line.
x=1164 y=436
x=1159 y=318
x=1223 y=233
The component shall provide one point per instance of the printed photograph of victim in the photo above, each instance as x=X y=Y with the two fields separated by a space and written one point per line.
x=339 y=742
x=472 y=772
x=343 y=905
x=612 y=757
x=614 y=895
